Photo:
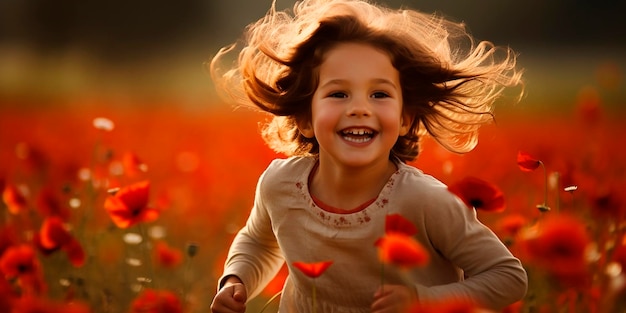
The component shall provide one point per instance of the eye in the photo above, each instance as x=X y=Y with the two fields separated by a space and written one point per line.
x=338 y=94
x=380 y=94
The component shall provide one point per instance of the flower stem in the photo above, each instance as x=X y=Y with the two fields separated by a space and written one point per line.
x=270 y=301
x=146 y=255
x=544 y=206
x=558 y=191
x=545 y=180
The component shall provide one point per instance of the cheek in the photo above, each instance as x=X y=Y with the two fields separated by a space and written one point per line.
x=324 y=118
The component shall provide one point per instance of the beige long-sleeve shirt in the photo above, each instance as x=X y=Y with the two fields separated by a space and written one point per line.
x=285 y=225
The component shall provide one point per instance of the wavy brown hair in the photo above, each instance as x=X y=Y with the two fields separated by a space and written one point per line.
x=449 y=82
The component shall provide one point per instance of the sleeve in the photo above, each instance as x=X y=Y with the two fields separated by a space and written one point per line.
x=254 y=255
x=493 y=276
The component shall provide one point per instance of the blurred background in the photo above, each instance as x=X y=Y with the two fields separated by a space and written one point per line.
x=139 y=63
x=150 y=48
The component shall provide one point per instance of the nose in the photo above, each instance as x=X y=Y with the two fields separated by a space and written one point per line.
x=358 y=107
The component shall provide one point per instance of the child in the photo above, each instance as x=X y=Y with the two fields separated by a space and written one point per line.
x=353 y=87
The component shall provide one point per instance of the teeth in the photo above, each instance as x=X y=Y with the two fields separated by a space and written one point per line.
x=358 y=140
x=359 y=132
x=358 y=135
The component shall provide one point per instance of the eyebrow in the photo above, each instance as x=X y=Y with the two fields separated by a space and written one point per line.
x=375 y=81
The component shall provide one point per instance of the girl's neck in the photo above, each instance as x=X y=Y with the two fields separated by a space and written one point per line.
x=346 y=187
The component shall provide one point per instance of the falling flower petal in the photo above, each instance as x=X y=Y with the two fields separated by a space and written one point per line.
x=526 y=162
x=399 y=224
x=401 y=250
x=313 y=270
x=479 y=194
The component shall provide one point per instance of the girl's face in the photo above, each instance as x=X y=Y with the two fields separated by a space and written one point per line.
x=357 y=106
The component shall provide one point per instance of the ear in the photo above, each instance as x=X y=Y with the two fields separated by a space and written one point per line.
x=305 y=128
x=405 y=123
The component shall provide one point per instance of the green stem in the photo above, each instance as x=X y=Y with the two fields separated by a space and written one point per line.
x=558 y=191
x=545 y=179
x=146 y=255
x=270 y=301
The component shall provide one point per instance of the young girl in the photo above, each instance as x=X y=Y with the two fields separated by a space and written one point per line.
x=352 y=88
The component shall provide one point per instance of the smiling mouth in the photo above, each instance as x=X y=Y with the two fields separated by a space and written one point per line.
x=357 y=135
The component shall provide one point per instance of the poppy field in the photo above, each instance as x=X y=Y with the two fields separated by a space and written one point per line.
x=117 y=208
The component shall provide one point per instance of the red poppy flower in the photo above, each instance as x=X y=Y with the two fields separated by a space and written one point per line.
x=558 y=245
x=20 y=262
x=49 y=204
x=156 y=301
x=53 y=236
x=608 y=203
x=129 y=205
x=75 y=252
x=133 y=166
x=526 y=162
x=313 y=270
x=14 y=199
x=479 y=194
x=512 y=224
x=167 y=256
x=401 y=250
x=43 y=305
x=396 y=223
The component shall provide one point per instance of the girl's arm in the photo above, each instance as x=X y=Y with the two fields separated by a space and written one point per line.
x=254 y=256
x=494 y=277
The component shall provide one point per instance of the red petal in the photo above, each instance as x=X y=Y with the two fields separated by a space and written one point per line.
x=75 y=252
x=53 y=234
x=399 y=224
x=13 y=198
x=135 y=196
x=132 y=164
x=479 y=194
x=526 y=162
x=167 y=256
x=401 y=250
x=128 y=206
x=313 y=270
x=119 y=213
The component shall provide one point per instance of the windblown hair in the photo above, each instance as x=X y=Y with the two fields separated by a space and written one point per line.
x=449 y=82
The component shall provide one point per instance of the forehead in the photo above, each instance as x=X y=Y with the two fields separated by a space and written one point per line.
x=356 y=61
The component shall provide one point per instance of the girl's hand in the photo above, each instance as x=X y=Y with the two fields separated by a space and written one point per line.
x=231 y=298
x=392 y=299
